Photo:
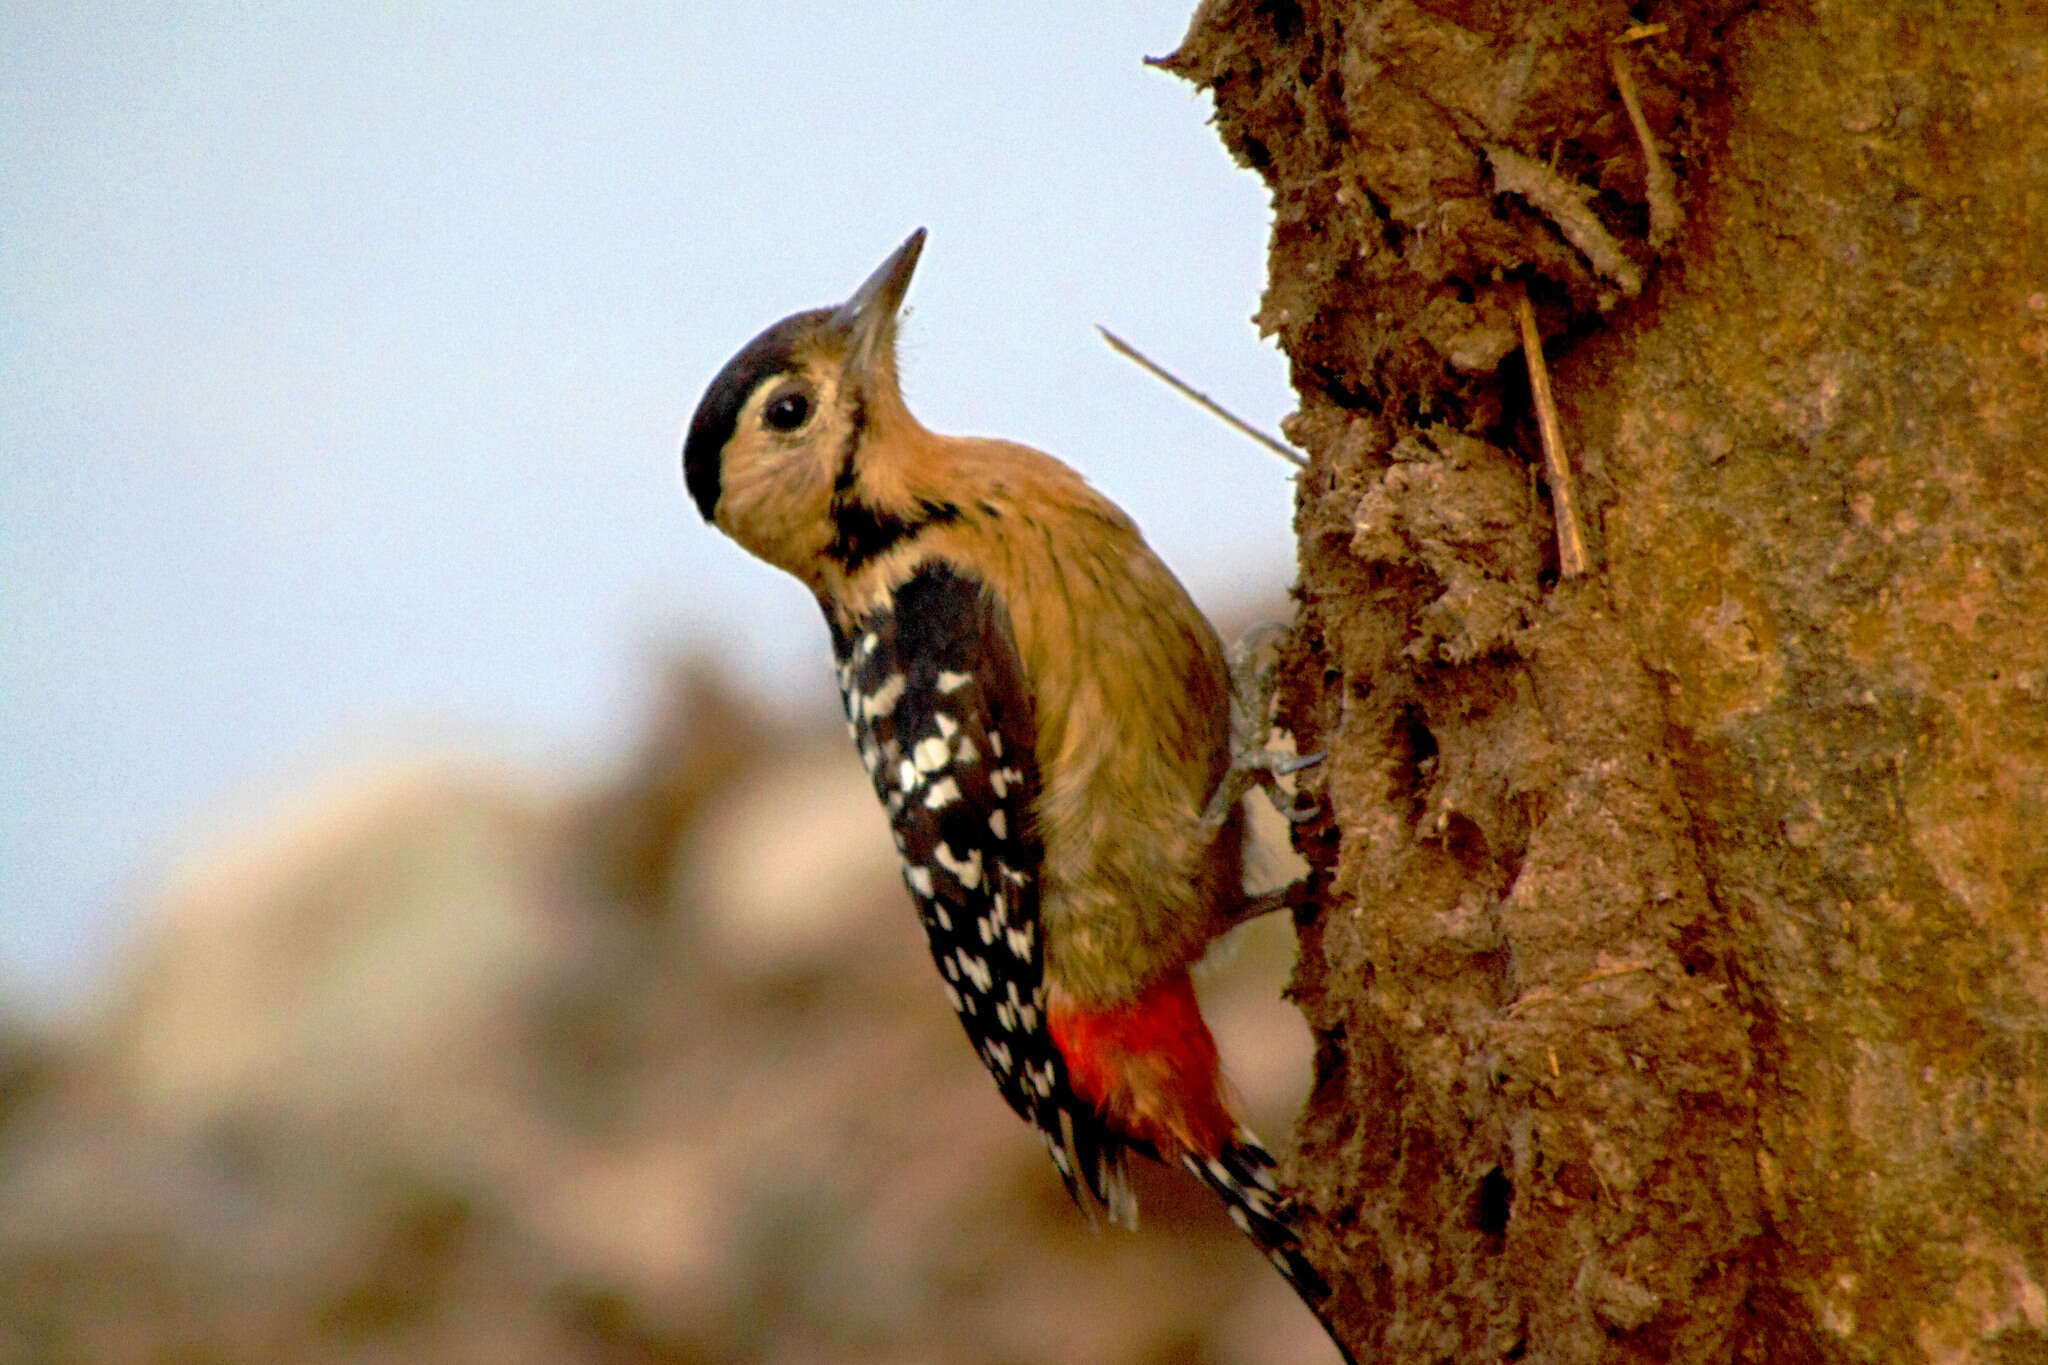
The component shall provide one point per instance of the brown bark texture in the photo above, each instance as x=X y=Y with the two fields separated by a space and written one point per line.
x=1676 y=951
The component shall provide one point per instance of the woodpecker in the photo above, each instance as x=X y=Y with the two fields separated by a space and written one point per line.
x=1044 y=714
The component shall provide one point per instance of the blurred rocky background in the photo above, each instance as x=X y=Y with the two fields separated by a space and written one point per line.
x=442 y=1063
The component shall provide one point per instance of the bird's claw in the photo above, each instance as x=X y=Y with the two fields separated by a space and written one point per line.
x=1252 y=764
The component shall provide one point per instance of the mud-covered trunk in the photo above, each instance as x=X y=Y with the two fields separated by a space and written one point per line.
x=1678 y=948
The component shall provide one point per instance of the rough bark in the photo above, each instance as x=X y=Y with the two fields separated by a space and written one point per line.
x=1677 y=953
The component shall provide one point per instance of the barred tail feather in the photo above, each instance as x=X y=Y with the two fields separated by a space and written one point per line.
x=1094 y=1165
x=1242 y=1175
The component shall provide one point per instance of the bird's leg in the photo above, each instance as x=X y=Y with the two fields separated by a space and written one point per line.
x=1252 y=764
x=1292 y=896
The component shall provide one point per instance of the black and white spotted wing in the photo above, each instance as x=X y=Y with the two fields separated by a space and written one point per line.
x=936 y=702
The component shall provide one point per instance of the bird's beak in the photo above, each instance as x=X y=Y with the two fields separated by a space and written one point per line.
x=870 y=315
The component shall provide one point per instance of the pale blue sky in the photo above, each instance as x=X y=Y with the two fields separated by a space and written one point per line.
x=345 y=350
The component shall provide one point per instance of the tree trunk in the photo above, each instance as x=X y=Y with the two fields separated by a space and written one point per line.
x=1677 y=952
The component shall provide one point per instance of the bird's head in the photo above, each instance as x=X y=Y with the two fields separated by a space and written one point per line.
x=777 y=435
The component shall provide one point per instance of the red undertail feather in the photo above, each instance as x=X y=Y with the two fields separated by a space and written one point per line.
x=1149 y=1067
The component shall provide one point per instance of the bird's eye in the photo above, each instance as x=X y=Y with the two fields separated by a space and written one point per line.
x=788 y=411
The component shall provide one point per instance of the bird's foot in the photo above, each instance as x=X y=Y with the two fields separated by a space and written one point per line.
x=1252 y=762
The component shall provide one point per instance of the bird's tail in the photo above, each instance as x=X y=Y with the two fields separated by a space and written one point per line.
x=1242 y=1175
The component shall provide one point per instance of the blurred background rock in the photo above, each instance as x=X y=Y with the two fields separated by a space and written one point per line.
x=441 y=1062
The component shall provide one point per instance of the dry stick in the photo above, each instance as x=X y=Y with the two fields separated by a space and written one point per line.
x=1666 y=217
x=1124 y=348
x=1564 y=498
